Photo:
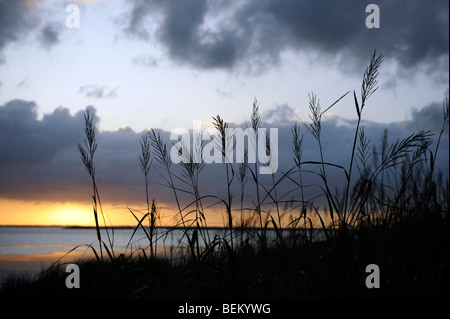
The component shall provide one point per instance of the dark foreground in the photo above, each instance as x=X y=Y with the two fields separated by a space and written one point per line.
x=412 y=256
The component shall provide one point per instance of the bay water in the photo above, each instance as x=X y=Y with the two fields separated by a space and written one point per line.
x=27 y=250
x=30 y=249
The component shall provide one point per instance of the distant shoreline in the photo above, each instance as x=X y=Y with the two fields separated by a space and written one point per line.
x=157 y=227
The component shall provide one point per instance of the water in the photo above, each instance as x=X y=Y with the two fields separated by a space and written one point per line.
x=28 y=250
x=31 y=249
x=35 y=240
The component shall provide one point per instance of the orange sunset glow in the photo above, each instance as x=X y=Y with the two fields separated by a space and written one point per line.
x=57 y=214
x=33 y=213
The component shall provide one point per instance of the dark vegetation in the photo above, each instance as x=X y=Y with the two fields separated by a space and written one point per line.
x=392 y=211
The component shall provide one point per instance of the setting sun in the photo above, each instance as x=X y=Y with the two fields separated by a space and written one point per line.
x=15 y=212
x=71 y=214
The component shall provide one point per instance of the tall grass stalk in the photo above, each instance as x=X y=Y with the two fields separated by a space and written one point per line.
x=298 y=153
x=87 y=155
x=145 y=164
x=256 y=123
x=227 y=151
x=162 y=156
x=315 y=128
x=243 y=178
x=192 y=168
x=368 y=87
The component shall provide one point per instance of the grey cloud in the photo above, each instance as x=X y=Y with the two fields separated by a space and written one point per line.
x=15 y=21
x=24 y=83
x=146 y=61
x=280 y=114
x=98 y=92
x=224 y=93
x=40 y=161
x=182 y=34
x=185 y=40
x=414 y=33
x=137 y=16
x=25 y=140
x=20 y=18
x=49 y=35
x=428 y=118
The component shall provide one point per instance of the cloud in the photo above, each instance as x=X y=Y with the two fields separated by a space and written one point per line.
x=25 y=140
x=222 y=34
x=280 y=114
x=98 y=92
x=49 y=34
x=224 y=93
x=21 y=19
x=181 y=33
x=147 y=61
x=14 y=23
x=24 y=83
x=40 y=161
x=428 y=118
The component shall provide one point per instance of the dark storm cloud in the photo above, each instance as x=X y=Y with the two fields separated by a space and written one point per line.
x=14 y=22
x=429 y=117
x=223 y=34
x=39 y=159
x=181 y=33
x=21 y=18
x=25 y=140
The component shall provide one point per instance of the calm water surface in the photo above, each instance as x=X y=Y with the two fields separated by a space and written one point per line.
x=31 y=249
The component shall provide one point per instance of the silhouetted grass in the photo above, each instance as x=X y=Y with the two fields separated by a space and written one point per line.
x=412 y=256
x=392 y=210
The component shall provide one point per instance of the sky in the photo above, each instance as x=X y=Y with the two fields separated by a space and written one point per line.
x=141 y=65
